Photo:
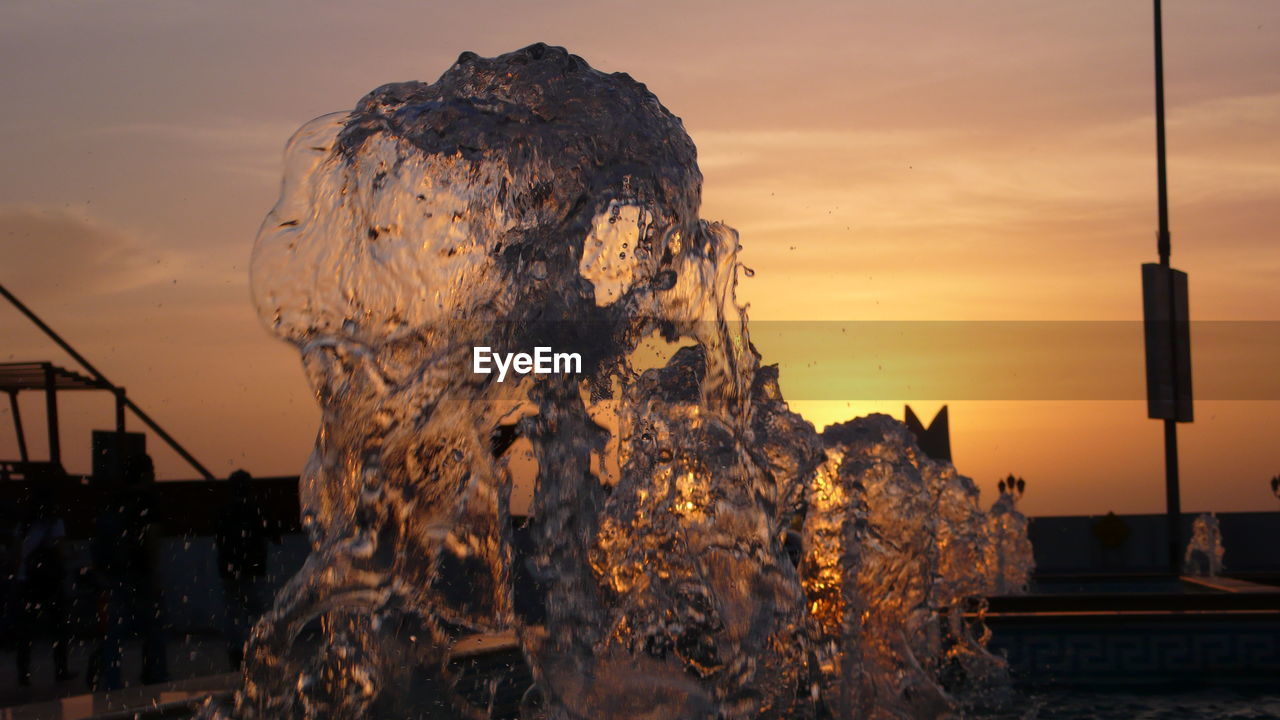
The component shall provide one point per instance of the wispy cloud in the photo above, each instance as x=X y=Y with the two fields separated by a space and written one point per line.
x=230 y=144
x=57 y=251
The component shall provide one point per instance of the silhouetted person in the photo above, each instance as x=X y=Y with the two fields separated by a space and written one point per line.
x=40 y=571
x=125 y=558
x=242 y=534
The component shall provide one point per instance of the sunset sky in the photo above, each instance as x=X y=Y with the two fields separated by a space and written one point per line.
x=883 y=160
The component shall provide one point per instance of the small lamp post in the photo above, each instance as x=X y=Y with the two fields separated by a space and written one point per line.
x=1012 y=485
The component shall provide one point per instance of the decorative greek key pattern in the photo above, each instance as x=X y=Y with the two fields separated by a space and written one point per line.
x=1140 y=651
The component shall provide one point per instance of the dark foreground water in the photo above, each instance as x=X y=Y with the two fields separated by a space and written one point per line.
x=498 y=680
x=1213 y=704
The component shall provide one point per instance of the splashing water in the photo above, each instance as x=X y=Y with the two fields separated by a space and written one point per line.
x=973 y=675
x=894 y=556
x=1204 y=552
x=1010 y=560
x=530 y=201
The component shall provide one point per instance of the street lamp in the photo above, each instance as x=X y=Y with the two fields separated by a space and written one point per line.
x=1166 y=328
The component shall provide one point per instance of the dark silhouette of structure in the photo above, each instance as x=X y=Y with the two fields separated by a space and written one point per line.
x=1111 y=531
x=116 y=510
x=1167 y=333
x=125 y=564
x=15 y=377
x=242 y=534
x=40 y=574
x=934 y=440
x=49 y=379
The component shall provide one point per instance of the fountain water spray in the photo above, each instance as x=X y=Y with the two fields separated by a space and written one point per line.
x=529 y=201
x=1009 y=558
x=1204 y=551
x=896 y=552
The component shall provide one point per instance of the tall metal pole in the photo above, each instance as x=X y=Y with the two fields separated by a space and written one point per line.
x=1162 y=183
x=1173 y=501
x=137 y=411
x=51 y=415
x=17 y=425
